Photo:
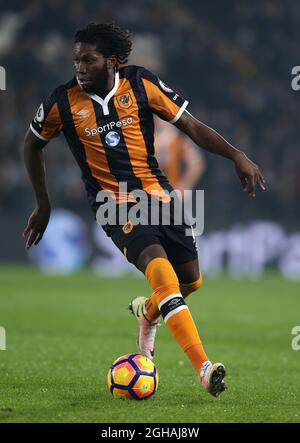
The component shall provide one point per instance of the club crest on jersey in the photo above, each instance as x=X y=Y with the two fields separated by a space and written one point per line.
x=112 y=138
x=125 y=100
x=128 y=227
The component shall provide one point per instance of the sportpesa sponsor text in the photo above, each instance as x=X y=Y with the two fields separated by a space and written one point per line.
x=90 y=132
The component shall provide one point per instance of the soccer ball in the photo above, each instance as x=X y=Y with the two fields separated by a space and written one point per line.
x=132 y=377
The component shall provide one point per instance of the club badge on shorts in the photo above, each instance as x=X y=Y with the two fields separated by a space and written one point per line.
x=128 y=227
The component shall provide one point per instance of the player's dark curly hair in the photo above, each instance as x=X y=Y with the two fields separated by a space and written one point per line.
x=108 y=38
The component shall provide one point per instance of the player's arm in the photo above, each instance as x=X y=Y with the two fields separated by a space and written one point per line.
x=210 y=140
x=46 y=125
x=34 y=162
x=169 y=106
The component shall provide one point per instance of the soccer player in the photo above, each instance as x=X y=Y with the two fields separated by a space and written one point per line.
x=106 y=115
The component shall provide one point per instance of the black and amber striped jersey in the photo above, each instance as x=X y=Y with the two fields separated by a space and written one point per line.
x=112 y=138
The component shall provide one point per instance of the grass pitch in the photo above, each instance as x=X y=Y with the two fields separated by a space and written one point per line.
x=63 y=333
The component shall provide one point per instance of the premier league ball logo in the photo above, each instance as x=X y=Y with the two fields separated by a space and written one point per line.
x=112 y=138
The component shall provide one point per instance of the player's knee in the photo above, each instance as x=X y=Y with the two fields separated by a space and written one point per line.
x=148 y=254
x=162 y=277
x=187 y=288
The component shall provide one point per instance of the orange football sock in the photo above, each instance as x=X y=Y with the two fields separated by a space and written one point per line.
x=164 y=282
x=187 y=288
x=151 y=307
x=193 y=354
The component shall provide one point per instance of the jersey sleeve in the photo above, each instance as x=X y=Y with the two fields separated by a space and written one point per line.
x=162 y=100
x=47 y=122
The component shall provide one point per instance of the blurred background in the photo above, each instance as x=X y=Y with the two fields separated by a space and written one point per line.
x=232 y=60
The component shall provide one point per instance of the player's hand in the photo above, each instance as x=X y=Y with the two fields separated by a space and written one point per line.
x=249 y=174
x=36 y=226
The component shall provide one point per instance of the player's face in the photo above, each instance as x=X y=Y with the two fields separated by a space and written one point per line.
x=93 y=70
